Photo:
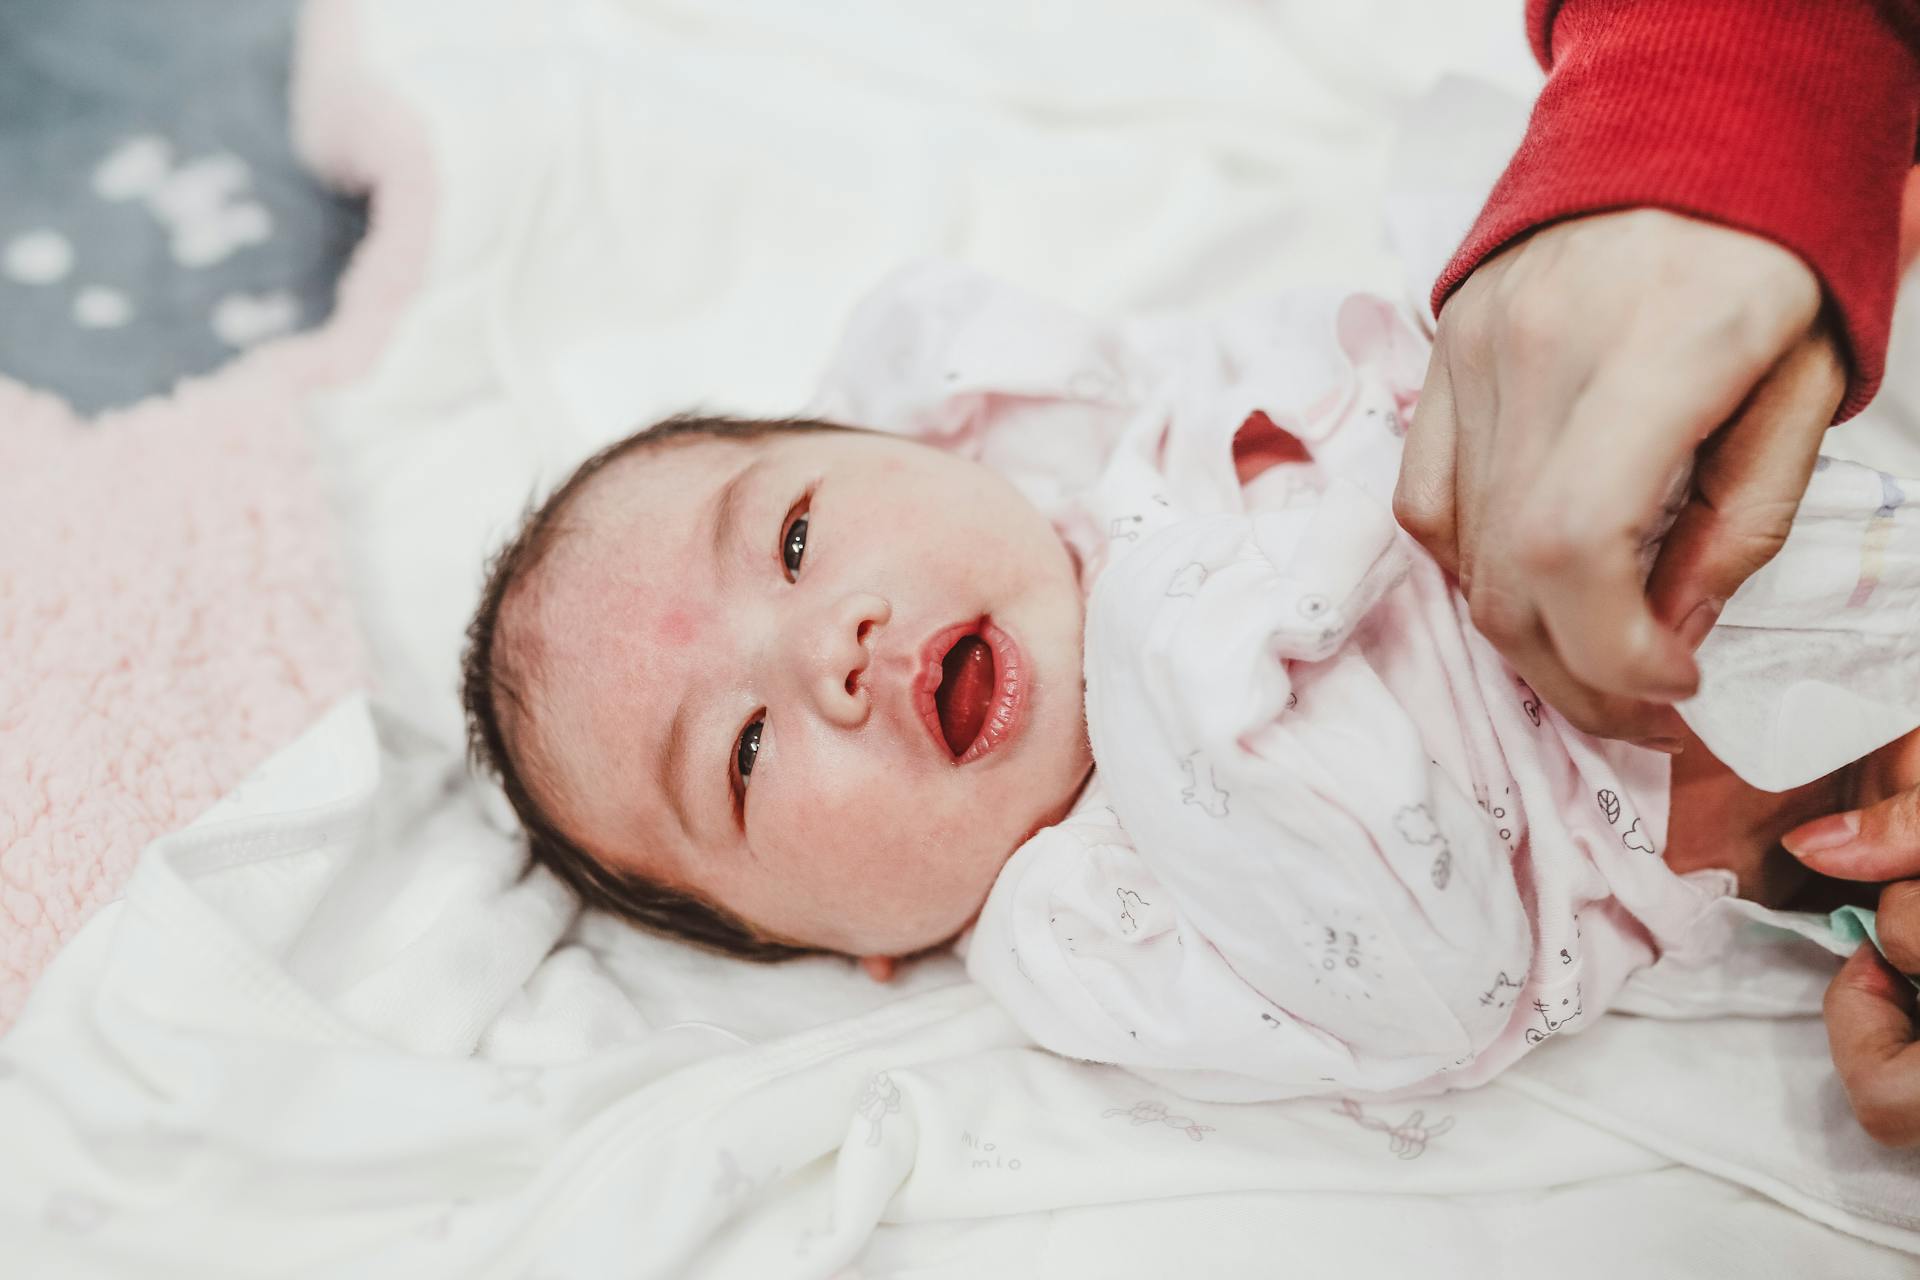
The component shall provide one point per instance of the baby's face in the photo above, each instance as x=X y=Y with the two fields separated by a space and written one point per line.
x=738 y=689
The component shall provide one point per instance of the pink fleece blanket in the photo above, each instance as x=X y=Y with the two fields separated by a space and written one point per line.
x=171 y=606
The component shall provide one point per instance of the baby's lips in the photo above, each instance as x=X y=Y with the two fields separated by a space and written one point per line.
x=928 y=679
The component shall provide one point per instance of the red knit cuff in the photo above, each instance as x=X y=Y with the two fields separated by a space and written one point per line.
x=1792 y=119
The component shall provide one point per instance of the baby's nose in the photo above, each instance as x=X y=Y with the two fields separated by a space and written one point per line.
x=839 y=680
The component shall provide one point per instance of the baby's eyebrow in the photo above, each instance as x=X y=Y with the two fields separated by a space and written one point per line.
x=723 y=513
x=674 y=766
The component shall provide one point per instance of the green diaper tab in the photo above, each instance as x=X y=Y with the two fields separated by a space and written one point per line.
x=1856 y=924
x=1841 y=931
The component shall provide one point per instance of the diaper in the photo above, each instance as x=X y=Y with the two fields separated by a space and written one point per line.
x=1815 y=661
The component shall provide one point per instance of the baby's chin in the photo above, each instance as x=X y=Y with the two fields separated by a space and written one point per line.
x=933 y=932
x=947 y=927
x=907 y=930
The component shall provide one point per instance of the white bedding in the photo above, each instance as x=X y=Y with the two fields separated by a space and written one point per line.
x=335 y=1029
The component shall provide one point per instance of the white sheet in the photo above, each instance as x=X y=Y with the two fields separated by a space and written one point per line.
x=332 y=1039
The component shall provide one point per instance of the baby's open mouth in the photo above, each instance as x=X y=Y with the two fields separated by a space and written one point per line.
x=966 y=687
x=971 y=688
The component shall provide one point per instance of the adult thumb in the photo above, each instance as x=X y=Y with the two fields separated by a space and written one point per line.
x=1878 y=843
x=1748 y=479
x=1869 y=1012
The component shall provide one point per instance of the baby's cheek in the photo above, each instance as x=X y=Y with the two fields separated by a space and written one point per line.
x=876 y=826
x=828 y=801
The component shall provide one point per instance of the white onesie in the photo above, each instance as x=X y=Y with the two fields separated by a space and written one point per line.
x=1332 y=842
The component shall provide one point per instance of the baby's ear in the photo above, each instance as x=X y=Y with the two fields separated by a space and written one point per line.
x=879 y=968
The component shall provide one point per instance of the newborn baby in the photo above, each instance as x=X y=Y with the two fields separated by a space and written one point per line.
x=777 y=687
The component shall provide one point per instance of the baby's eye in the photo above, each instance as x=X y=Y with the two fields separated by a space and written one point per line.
x=748 y=749
x=793 y=544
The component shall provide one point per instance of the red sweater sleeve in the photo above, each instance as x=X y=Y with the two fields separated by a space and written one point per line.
x=1792 y=119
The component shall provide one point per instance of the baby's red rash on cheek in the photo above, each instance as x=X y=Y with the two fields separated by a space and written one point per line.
x=678 y=627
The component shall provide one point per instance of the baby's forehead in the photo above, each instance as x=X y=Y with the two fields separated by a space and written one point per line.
x=658 y=482
x=584 y=622
x=626 y=532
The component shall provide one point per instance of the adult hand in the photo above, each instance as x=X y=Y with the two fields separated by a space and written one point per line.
x=1870 y=1008
x=1573 y=377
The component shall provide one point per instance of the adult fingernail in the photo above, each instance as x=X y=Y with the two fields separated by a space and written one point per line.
x=1822 y=834
x=1671 y=746
x=1694 y=627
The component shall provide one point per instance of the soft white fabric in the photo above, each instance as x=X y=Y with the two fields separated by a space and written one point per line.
x=234 y=1120
x=1334 y=842
x=642 y=204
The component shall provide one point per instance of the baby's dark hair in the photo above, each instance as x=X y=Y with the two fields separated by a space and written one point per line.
x=490 y=687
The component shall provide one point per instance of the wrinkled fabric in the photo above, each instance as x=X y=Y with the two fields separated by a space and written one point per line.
x=1333 y=841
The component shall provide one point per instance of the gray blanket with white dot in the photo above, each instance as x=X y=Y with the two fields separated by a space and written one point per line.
x=153 y=219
